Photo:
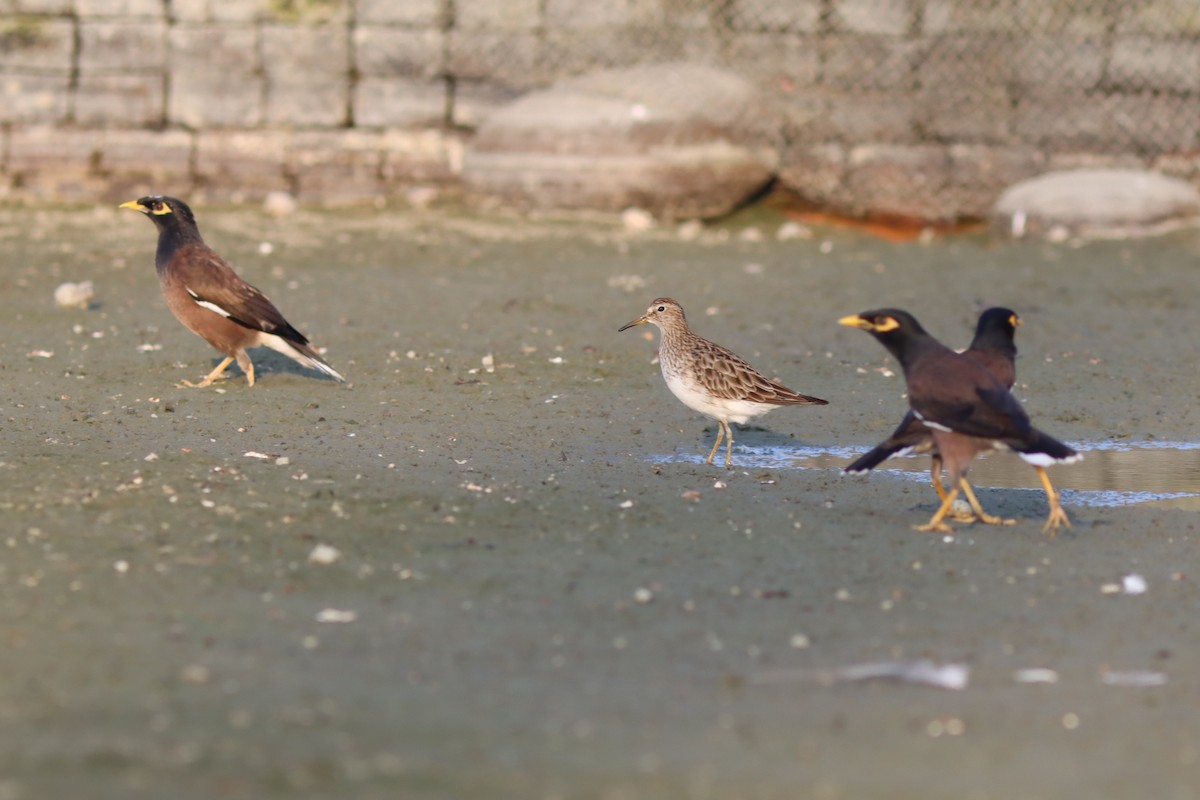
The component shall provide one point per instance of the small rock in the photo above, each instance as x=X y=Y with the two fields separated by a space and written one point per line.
x=324 y=554
x=790 y=231
x=195 y=673
x=637 y=220
x=280 y=204
x=1095 y=202
x=1133 y=584
x=74 y=295
x=421 y=197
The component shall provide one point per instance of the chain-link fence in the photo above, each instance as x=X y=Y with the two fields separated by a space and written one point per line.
x=1099 y=76
x=924 y=108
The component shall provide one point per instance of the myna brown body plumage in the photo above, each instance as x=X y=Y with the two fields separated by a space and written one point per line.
x=212 y=301
x=710 y=379
x=994 y=347
x=966 y=407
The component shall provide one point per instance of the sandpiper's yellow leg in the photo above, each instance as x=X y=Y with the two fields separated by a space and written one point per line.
x=212 y=376
x=935 y=523
x=728 y=444
x=1057 y=517
x=980 y=514
x=720 y=435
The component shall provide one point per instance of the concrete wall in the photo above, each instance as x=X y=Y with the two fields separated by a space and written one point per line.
x=345 y=100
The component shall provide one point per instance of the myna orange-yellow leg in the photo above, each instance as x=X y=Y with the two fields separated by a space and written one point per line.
x=212 y=376
x=935 y=477
x=980 y=514
x=243 y=359
x=935 y=523
x=1057 y=517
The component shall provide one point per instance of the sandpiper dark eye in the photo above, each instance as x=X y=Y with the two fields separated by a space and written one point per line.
x=662 y=308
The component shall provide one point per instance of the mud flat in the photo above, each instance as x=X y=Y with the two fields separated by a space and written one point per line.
x=534 y=589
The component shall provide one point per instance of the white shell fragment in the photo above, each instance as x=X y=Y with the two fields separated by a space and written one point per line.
x=335 y=615
x=324 y=554
x=1138 y=678
x=928 y=673
x=74 y=295
x=943 y=676
x=1036 y=675
x=1133 y=584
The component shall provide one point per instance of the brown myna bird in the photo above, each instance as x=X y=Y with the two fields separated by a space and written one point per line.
x=966 y=407
x=710 y=379
x=208 y=297
x=994 y=348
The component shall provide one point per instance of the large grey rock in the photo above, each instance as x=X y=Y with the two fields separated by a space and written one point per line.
x=1096 y=202
x=677 y=140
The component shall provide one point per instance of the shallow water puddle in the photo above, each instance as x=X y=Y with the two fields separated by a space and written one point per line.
x=1163 y=474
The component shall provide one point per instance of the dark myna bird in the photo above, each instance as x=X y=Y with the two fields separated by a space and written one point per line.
x=966 y=407
x=208 y=297
x=994 y=348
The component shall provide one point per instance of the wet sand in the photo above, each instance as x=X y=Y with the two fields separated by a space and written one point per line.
x=547 y=597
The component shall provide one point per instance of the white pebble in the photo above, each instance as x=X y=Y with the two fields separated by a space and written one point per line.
x=324 y=554
x=421 y=196
x=195 y=673
x=1133 y=584
x=792 y=230
x=74 y=295
x=637 y=220
x=643 y=595
x=279 y=204
x=1036 y=675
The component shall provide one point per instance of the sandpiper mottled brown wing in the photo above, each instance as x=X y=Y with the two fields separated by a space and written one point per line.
x=710 y=379
x=212 y=301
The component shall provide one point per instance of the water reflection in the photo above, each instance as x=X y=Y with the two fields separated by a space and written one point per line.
x=1164 y=474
